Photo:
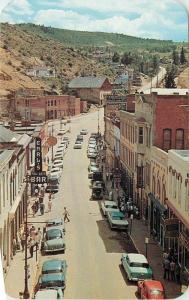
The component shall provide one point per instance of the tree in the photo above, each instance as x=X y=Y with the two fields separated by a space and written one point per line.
x=127 y=58
x=170 y=79
x=115 y=57
x=175 y=57
x=182 y=56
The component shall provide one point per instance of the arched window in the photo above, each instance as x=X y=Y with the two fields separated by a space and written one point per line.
x=158 y=188
x=179 y=139
x=167 y=139
x=163 y=194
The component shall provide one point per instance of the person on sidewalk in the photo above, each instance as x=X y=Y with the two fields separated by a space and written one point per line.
x=14 y=245
x=107 y=176
x=166 y=267
x=66 y=214
x=172 y=270
x=49 y=205
x=23 y=240
x=42 y=208
x=31 y=246
x=177 y=272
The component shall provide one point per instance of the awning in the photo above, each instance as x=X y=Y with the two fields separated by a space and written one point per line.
x=157 y=203
x=16 y=202
x=179 y=216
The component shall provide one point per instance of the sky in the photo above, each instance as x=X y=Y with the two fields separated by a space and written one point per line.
x=159 y=19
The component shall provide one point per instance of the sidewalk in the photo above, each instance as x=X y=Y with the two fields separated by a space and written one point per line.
x=154 y=251
x=14 y=278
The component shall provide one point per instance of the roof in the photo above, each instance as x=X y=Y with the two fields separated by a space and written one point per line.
x=24 y=140
x=87 y=82
x=166 y=91
x=121 y=79
x=5 y=154
x=53 y=264
x=6 y=135
x=135 y=257
x=183 y=153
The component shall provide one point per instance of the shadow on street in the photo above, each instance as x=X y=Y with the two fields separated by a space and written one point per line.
x=114 y=241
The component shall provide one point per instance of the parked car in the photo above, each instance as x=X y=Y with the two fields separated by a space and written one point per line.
x=117 y=220
x=80 y=137
x=92 y=147
x=49 y=294
x=92 y=164
x=58 y=163
x=65 y=138
x=52 y=280
x=77 y=145
x=92 y=153
x=60 y=152
x=109 y=206
x=92 y=170
x=53 y=241
x=91 y=142
x=84 y=132
x=55 y=223
x=151 y=289
x=54 y=266
x=136 y=266
x=61 y=132
x=58 y=156
x=53 y=176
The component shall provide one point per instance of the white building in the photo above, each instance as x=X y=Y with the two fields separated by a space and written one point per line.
x=41 y=72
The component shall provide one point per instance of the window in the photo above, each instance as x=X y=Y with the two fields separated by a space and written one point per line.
x=51 y=102
x=54 y=102
x=158 y=188
x=140 y=135
x=153 y=185
x=179 y=139
x=167 y=139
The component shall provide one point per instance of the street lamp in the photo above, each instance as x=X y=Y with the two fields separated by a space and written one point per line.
x=146 y=245
x=26 y=294
x=131 y=223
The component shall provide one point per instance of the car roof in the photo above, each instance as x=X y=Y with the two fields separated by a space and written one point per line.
x=117 y=214
x=53 y=229
x=53 y=264
x=154 y=284
x=136 y=257
x=106 y=202
x=46 y=294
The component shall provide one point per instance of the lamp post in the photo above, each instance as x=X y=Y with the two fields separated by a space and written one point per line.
x=131 y=223
x=146 y=245
x=26 y=294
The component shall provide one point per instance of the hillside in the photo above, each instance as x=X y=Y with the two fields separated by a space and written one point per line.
x=21 y=50
x=116 y=41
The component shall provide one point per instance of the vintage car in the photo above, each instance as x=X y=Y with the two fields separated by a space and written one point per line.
x=151 y=289
x=55 y=223
x=78 y=145
x=49 y=294
x=58 y=163
x=91 y=165
x=54 y=266
x=83 y=131
x=52 y=280
x=53 y=241
x=109 y=206
x=136 y=266
x=97 y=192
x=117 y=220
x=92 y=170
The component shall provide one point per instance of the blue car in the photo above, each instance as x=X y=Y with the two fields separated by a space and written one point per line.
x=117 y=220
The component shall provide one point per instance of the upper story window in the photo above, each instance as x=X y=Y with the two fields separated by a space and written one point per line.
x=51 y=102
x=167 y=139
x=54 y=102
x=179 y=139
x=140 y=135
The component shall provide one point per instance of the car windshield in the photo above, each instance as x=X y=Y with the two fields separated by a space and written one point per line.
x=49 y=224
x=111 y=206
x=156 y=292
x=53 y=271
x=118 y=218
x=139 y=265
x=53 y=283
x=53 y=234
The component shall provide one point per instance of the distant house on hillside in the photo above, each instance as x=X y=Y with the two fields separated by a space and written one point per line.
x=90 y=88
x=41 y=72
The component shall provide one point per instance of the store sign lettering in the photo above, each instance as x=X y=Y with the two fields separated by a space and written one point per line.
x=38 y=155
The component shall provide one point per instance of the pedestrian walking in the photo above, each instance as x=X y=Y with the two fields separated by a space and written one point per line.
x=31 y=246
x=23 y=240
x=177 y=272
x=66 y=214
x=49 y=205
x=166 y=267
x=172 y=270
x=14 y=245
x=42 y=208
x=36 y=206
x=110 y=195
x=112 y=183
x=33 y=209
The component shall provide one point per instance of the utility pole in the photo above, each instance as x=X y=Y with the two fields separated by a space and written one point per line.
x=26 y=294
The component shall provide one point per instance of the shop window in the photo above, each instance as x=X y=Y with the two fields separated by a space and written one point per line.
x=179 y=139
x=167 y=139
x=140 y=135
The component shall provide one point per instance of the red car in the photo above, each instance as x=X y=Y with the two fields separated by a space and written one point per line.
x=151 y=289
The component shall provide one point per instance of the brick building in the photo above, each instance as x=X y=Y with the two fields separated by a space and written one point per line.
x=90 y=88
x=49 y=107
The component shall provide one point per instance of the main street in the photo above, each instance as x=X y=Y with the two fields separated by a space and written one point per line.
x=93 y=251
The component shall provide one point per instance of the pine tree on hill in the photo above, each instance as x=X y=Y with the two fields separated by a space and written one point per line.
x=115 y=57
x=175 y=57
x=169 y=79
x=182 y=57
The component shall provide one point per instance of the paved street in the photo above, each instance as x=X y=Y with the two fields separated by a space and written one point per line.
x=92 y=250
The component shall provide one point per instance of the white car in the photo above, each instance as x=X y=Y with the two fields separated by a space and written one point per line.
x=108 y=206
x=92 y=142
x=58 y=156
x=83 y=131
x=92 y=164
x=58 y=163
x=60 y=152
x=92 y=170
x=49 y=294
x=78 y=146
x=92 y=153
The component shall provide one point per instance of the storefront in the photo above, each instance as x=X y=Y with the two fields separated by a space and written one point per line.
x=157 y=213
